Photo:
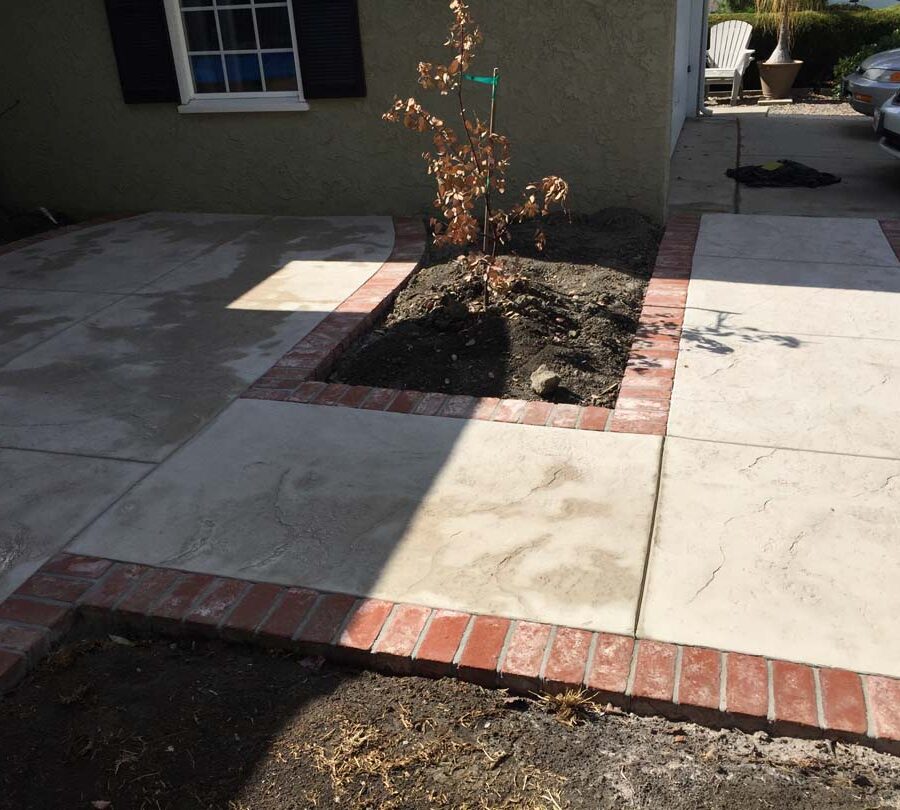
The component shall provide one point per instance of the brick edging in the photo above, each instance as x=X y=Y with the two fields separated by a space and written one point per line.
x=891 y=230
x=43 y=236
x=642 y=675
x=642 y=405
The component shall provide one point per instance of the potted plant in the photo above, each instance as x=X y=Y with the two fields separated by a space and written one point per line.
x=778 y=72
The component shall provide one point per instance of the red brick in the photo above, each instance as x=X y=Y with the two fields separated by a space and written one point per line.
x=794 y=691
x=74 y=565
x=568 y=658
x=509 y=410
x=378 y=399
x=746 y=685
x=177 y=602
x=217 y=603
x=884 y=706
x=638 y=422
x=459 y=407
x=308 y=392
x=430 y=404
x=536 y=413
x=12 y=668
x=251 y=610
x=48 y=586
x=402 y=631
x=27 y=611
x=145 y=593
x=332 y=394
x=270 y=395
x=521 y=666
x=291 y=611
x=485 y=407
x=355 y=396
x=31 y=641
x=593 y=418
x=365 y=624
x=405 y=402
x=438 y=648
x=644 y=405
x=564 y=416
x=700 y=682
x=843 y=704
x=109 y=590
x=325 y=618
x=478 y=662
x=657 y=296
x=654 y=677
x=611 y=665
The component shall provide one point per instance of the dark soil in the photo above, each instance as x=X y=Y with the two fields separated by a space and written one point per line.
x=204 y=725
x=573 y=307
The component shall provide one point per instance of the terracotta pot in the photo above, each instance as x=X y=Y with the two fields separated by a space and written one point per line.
x=778 y=79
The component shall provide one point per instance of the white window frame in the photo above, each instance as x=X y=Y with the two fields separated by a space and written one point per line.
x=193 y=102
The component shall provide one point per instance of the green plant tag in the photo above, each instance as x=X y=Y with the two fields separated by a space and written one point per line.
x=481 y=79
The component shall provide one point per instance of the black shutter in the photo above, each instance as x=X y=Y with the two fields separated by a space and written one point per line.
x=143 y=51
x=331 y=61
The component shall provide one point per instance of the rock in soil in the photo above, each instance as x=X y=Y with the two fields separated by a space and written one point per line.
x=573 y=307
x=544 y=381
x=197 y=724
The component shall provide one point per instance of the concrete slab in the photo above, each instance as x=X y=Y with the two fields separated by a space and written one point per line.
x=118 y=257
x=28 y=317
x=287 y=263
x=803 y=298
x=780 y=553
x=805 y=136
x=140 y=377
x=844 y=145
x=869 y=188
x=706 y=150
x=795 y=239
x=535 y=523
x=45 y=500
x=807 y=391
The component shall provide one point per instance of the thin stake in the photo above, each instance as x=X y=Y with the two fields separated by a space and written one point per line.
x=487 y=191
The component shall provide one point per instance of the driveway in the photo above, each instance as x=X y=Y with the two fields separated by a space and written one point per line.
x=841 y=145
x=123 y=340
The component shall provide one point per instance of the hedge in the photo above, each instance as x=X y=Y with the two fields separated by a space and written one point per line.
x=821 y=38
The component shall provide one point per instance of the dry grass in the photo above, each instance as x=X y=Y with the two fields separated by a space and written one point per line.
x=572 y=707
x=418 y=760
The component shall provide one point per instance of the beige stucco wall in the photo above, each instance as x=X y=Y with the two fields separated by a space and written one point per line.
x=586 y=94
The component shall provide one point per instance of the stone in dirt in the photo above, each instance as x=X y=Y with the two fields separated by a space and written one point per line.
x=544 y=381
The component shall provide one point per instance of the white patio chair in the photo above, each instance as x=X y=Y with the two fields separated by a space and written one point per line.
x=728 y=57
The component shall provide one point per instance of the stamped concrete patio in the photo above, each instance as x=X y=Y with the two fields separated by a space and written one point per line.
x=763 y=522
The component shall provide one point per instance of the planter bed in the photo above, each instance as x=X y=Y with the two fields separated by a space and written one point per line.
x=574 y=307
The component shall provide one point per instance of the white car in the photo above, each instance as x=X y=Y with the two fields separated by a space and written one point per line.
x=887 y=125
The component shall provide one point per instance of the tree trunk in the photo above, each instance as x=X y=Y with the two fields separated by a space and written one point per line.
x=782 y=53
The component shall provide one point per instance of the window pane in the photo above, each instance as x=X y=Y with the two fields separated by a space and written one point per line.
x=243 y=73
x=237 y=30
x=208 y=75
x=280 y=72
x=200 y=27
x=234 y=2
x=274 y=28
x=193 y=3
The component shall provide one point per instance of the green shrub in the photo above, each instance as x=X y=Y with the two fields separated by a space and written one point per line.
x=821 y=39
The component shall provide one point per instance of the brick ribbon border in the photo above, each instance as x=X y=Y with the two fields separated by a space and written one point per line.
x=643 y=400
x=645 y=676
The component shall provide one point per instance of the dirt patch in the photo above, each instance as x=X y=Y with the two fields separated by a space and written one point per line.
x=206 y=725
x=573 y=307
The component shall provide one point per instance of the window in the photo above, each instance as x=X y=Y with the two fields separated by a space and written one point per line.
x=235 y=55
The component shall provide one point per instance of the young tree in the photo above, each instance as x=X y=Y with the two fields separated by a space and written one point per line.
x=782 y=10
x=469 y=168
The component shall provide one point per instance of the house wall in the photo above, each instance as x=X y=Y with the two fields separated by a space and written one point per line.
x=586 y=93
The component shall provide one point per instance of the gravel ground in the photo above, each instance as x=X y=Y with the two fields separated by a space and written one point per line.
x=807 y=104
